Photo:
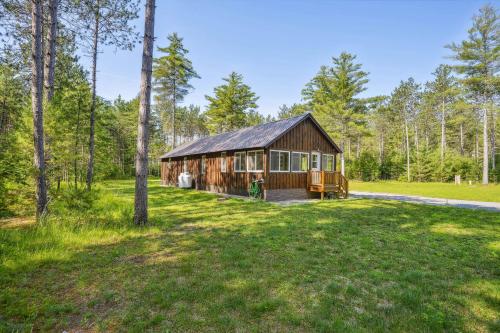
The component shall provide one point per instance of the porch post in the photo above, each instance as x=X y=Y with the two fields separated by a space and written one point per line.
x=342 y=167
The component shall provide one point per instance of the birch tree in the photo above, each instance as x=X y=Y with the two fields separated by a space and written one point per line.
x=141 y=164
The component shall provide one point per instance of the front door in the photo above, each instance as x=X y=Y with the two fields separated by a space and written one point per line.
x=315 y=161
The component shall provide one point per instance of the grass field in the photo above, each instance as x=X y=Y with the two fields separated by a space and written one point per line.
x=209 y=265
x=476 y=192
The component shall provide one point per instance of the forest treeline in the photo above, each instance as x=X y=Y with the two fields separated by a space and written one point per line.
x=422 y=131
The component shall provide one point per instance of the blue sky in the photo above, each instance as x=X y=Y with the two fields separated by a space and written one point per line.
x=278 y=46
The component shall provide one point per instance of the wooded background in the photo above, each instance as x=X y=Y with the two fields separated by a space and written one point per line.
x=422 y=131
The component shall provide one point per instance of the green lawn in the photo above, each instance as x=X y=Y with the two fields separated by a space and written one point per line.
x=476 y=192
x=208 y=265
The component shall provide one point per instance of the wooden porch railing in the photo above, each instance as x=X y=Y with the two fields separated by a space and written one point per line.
x=328 y=181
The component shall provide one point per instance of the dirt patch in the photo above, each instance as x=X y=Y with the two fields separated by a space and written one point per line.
x=17 y=222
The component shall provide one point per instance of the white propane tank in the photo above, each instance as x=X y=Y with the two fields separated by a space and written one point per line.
x=185 y=180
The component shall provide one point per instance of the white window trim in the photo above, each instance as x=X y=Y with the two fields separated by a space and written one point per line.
x=279 y=151
x=255 y=151
x=308 y=161
x=319 y=161
x=333 y=161
x=223 y=158
x=244 y=162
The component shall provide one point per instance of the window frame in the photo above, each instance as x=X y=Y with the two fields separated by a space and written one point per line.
x=223 y=162
x=242 y=163
x=317 y=153
x=185 y=166
x=255 y=151
x=203 y=164
x=333 y=162
x=279 y=151
x=300 y=154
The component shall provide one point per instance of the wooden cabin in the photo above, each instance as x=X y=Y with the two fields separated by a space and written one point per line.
x=294 y=157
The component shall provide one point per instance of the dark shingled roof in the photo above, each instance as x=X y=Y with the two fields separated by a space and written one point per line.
x=259 y=136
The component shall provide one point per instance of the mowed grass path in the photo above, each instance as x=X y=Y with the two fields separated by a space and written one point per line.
x=464 y=191
x=205 y=265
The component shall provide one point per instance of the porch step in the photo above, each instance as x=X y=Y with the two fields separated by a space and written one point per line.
x=328 y=182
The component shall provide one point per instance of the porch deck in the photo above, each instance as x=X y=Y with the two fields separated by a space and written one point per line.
x=328 y=181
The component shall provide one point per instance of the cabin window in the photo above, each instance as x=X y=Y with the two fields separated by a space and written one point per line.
x=185 y=165
x=300 y=162
x=315 y=160
x=255 y=161
x=239 y=161
x=280 y=161
x=223 y=162
x=328 y=162
x=203 y=164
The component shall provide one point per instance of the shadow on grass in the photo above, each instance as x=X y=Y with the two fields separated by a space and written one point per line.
x=240 y=265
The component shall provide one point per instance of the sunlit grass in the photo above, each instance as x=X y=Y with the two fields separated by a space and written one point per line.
x=209 y=265
x=464 y=191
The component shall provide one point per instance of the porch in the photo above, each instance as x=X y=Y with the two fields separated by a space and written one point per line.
x=328 y=181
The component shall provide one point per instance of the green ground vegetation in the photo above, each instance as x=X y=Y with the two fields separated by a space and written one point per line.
x=205 y=264
x=464 y=191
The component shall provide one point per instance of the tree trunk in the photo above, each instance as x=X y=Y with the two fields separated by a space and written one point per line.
x=358 y=147
x=342 y=161
x=476 y=138
x=349 y=149
x=141 y=162
x=462 y=139
x=443 y=132
x=174 y=104
x=407 y=150
x=37 y=106
x=418 y=171
x=485 y=147
x=381 y=149
x=90 y=167
x=493 y=142
x=77 y=140
x=416 y=138
x=50 y=50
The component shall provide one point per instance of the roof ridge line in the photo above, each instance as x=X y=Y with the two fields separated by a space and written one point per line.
x=269 y=122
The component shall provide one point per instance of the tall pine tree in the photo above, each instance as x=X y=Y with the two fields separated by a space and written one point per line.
x=233 y=105
x=479 y=63
x=404 y=101
x=443 y=90
x=172 y=73
x=333 y=95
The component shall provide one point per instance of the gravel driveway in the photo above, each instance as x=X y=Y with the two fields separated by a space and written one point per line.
x=494 y=206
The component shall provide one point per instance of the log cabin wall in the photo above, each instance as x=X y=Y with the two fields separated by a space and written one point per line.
x=305 y=137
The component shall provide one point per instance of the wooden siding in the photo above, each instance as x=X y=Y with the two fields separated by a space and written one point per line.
x=213 y=179
x=305 y=137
